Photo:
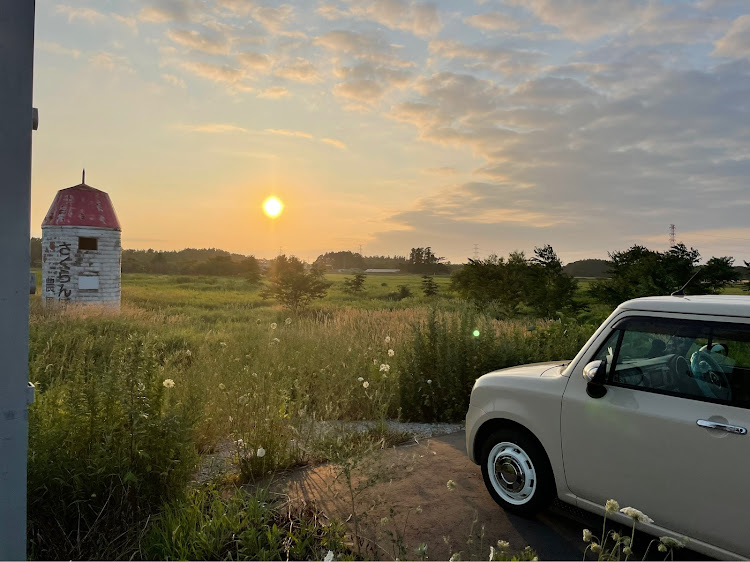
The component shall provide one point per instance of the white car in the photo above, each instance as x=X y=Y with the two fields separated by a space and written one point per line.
x=652 y=412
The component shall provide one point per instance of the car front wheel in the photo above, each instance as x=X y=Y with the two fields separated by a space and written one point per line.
x=516 y=472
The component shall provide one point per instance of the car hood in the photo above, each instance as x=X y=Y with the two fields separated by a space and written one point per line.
x=548 y=368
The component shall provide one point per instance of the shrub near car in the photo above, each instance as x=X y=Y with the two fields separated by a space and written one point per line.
x=653 y=412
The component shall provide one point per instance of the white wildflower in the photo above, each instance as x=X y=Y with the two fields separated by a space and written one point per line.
x=429 y=381
x=391 y=353
x=288 y=321
x=418 y=509
x=387 y=339
x=669 y=542
x=636 y=515
x=223 y=343
x=360 y=379
x=366 y=384
x=502 y=545
x=188 y=353
x=374 y=361
x=612 y=506
x=239 y=442
x=273 y=325
x=451 y=485
x=276 y=340
x=260 y=453
x=385 y=367
x=587 y=535
x=222 y=386
x=329 y=557
x=168 y=383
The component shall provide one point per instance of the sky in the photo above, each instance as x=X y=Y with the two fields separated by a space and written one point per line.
x=472 y=127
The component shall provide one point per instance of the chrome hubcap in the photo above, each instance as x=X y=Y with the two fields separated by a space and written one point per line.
x=512 y=473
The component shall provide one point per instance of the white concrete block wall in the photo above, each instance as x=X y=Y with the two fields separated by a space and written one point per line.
x=63 y=263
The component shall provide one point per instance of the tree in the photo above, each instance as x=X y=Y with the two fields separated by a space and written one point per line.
x=551 y=289
x=339 y=260
x=429 y=287
x=422 y=260
x=35 y=248
x=717 y=274
x=250 y=269
x=495 y=280
x=355 y=285
x=292 y=286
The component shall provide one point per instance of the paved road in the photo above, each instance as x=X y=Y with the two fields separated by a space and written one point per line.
x=405 y=478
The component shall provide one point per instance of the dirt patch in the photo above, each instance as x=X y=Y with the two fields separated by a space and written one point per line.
x=402 y=499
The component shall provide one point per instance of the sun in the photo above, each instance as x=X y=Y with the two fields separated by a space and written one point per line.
x=273 y=207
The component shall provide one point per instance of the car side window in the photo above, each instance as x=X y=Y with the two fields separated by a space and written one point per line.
x=699 y=360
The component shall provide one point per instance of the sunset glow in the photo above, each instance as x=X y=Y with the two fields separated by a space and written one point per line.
x=273 y=207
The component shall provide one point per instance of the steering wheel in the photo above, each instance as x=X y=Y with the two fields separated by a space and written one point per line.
x=709 y=376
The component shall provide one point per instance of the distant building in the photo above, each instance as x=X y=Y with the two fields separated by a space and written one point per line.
x=81 y=248
x=382 y=270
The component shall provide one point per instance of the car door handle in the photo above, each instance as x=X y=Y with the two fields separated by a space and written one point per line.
x=736 y=429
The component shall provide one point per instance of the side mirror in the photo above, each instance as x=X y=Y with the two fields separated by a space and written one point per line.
x=589 y=371
x=594 y=388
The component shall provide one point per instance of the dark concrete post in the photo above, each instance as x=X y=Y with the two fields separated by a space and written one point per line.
x=16 y=74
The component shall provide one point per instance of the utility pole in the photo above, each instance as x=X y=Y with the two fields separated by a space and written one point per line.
x=17 y=119
x=671 y=236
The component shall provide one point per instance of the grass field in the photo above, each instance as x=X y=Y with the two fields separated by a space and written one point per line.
x=127 y=403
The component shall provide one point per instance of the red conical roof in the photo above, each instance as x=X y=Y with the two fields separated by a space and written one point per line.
x=82 y=205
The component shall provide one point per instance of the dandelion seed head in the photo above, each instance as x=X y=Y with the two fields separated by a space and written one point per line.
x=587 y=535
x=612 y=506
x=662 y=548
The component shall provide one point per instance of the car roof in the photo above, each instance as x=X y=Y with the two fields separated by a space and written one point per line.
x=718 y=305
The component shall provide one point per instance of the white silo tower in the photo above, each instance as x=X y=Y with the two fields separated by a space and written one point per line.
x=81 y=249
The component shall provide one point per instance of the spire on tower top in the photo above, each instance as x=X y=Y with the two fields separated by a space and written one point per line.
x=83 y=176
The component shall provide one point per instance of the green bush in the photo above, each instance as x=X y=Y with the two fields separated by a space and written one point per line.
x=242 y=526
x=108 y=443
x=450 y=351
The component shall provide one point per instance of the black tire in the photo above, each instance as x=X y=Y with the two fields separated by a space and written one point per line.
x=521 y=454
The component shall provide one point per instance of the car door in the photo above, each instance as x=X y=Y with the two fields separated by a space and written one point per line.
x=645 y=442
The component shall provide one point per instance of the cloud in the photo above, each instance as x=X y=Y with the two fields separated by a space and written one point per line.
x=288 y=133
x=164 y=11
x=128 y=21
x=736 y=42
x=365 y=91
x=274 y=93
x=174 y=80
x=441 y=171
x=56 y=48
x=219 y=73
x=255 y=61
x=333 y=142
x=585 y=20
x=86 y=14
x=206 y=43
x=365 y=46
x=299 y=70
x=213 y=128
x=112 y=62
x=420 y=18
x=498 y=59
x=367 y=83
x=493 y=21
